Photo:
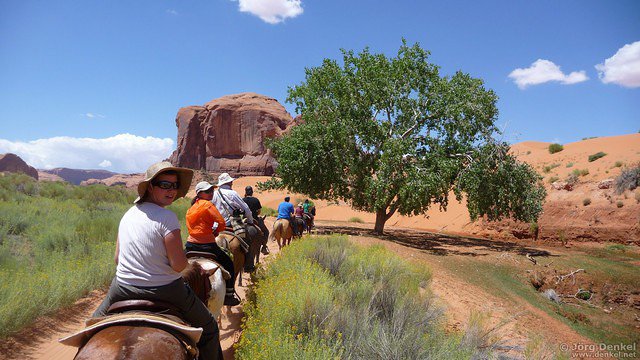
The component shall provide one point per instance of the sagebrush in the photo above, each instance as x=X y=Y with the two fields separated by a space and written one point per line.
x=56 y=244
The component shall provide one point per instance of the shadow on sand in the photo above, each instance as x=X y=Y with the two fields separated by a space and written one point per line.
x=437 y=244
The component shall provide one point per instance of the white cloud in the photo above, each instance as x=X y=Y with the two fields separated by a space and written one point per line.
x=105 y=163
x=172 y=12
x=543 y=71
x=93 y=116
x=272 y=11
x=623 y=68
x=125 y=153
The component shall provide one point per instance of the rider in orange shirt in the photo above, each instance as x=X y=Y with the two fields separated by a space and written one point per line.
x=204 y=223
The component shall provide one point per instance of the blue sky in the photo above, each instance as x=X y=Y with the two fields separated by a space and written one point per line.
x=97 y=84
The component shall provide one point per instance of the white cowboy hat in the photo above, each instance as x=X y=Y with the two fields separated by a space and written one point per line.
x=184 y=178
x=224 y=178
x=203 y=186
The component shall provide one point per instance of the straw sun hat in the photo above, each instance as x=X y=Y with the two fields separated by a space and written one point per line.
x=184 y=178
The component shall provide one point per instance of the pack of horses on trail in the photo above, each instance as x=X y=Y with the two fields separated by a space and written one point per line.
x=283 y=229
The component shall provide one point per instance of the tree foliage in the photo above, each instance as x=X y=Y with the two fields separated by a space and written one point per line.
x=391 y=135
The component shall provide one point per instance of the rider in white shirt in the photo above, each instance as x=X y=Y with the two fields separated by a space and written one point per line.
x=227 y=200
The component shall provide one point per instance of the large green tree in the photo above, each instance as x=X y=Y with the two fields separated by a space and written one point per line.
x=391 y=135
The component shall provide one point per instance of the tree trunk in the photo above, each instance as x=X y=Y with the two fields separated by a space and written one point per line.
x=381 y=219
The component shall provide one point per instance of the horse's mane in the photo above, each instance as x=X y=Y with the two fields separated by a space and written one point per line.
x=196 y=277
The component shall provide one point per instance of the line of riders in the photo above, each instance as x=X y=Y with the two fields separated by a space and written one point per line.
x=149 y=253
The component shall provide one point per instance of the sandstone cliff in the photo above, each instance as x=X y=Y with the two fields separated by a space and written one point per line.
x=13 y=163
x=228 y=134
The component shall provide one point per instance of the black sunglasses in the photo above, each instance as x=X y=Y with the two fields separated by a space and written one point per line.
x=166 y=185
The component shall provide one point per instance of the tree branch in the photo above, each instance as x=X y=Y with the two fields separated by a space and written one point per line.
x=416 y=114
x=392 y=210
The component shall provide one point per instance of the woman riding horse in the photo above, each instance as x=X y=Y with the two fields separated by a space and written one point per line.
x=149 y=254
x=204 y=223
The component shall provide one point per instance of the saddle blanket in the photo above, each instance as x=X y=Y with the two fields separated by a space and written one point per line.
x=94 y=325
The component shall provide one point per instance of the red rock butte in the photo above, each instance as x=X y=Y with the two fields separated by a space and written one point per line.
x=228 y=134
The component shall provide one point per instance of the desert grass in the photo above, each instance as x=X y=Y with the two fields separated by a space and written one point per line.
x=356 y=219
x=580 y=172
x=325 y=298
x=268 y=211
x=547 y=169
x=57 y=243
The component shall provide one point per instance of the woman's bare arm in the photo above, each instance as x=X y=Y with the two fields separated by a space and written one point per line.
x=175 y=253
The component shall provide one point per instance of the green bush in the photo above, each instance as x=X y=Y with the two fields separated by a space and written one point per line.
x=569 y=164
x=553 y=179
x=619 y=204
x=586 y=201
x=355 y=219
x=596 y=156
x=268 y=211
x=346 y=302
x=618 y=164
x=554 y=148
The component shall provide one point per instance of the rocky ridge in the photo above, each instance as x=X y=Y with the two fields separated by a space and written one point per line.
x=77 y=176
x=13 y=163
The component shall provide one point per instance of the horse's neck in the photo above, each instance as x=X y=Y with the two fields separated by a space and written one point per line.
x=195 y=276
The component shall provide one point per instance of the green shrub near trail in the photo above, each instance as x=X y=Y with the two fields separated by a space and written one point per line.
x=56 y=244
x=324 y=298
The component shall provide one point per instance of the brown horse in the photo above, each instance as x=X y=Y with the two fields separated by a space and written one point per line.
x=282 y=232
x=227 y=240
x=141 y=340
x=143 y=343
x=255 y=246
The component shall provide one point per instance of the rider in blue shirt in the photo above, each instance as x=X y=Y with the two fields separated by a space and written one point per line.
x=285 y=209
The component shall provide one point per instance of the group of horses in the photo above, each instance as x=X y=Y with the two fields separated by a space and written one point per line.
x=207 y=279
x=283 y=229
